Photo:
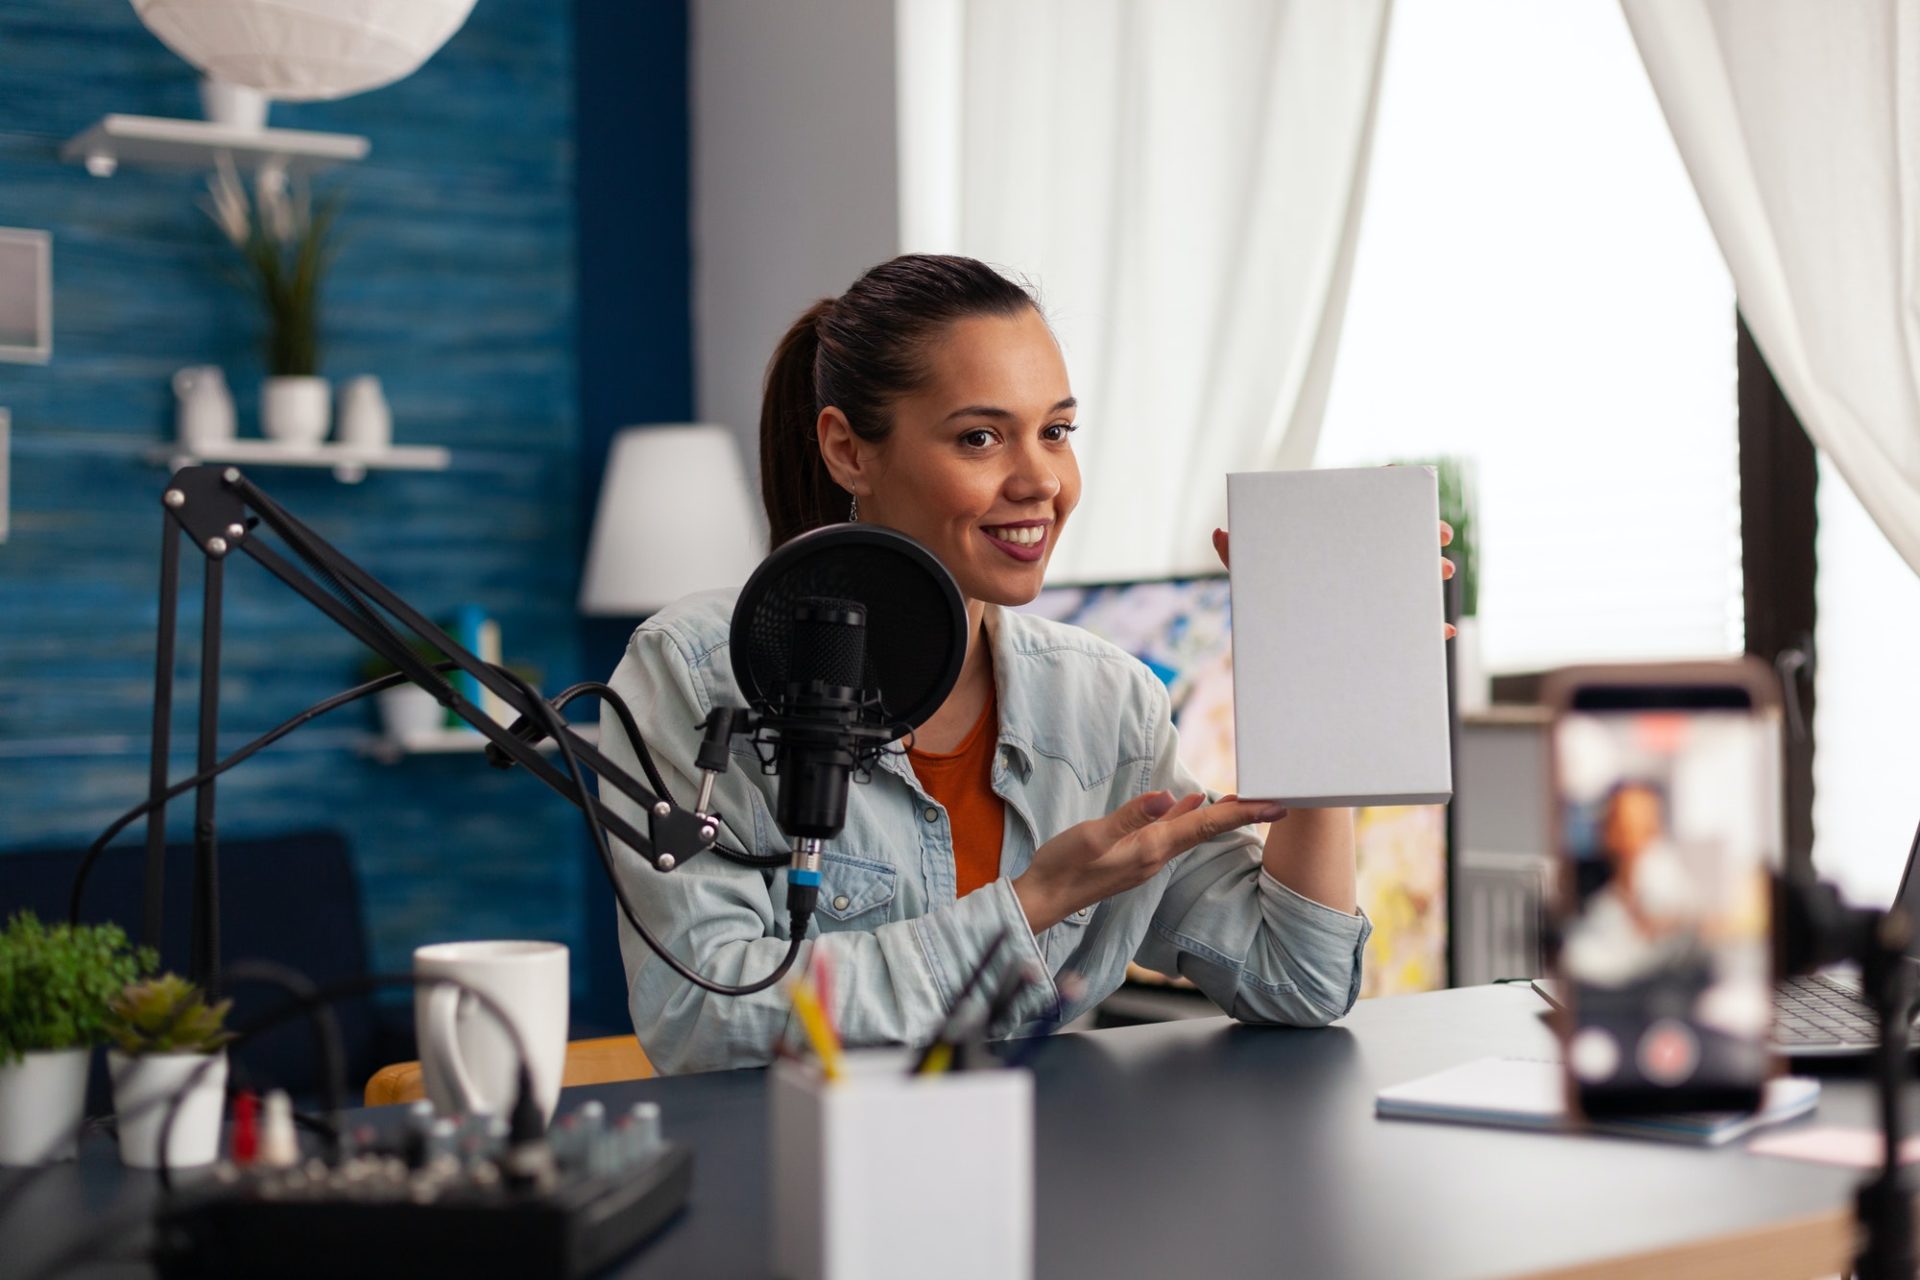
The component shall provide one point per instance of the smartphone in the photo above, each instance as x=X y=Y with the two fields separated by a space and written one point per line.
x=1667 y=831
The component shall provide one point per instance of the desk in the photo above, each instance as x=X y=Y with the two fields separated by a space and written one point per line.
x=1208 y=1149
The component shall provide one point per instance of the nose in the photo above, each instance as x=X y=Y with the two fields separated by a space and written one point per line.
x=1033 y=477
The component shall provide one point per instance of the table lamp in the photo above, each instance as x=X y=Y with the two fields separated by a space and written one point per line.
x=674 y=517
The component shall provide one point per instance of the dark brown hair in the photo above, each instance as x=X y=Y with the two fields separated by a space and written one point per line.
x=860 y=353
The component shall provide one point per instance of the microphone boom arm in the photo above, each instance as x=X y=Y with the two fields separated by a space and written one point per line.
x=219 y=509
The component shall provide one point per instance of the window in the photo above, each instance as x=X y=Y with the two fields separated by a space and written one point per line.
x=1535 y=288
x=1866 y=719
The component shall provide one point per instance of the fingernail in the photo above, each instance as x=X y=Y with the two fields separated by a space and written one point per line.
x=1158 y=803
x=1272 y=813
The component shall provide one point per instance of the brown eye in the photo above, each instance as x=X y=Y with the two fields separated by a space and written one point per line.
x=1059 y=431
x=979 y=438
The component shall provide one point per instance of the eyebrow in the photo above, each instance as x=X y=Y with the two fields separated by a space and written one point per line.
x=990 y=411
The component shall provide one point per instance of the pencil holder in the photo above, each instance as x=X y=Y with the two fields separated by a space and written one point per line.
x=881 y=1174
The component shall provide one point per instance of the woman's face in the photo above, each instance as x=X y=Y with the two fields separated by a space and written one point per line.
x=979 y=466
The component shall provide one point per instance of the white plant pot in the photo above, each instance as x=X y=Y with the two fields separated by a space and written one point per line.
x=236 y=106
x=43 y=1099
x=409 y=712
x=296 y=411
x=141 y=1087
x=1473 y=687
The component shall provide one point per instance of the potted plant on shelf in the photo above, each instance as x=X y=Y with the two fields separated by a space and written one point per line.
x=407 y=712
x=286 y=244
x=55 y=985
x=168 y=1041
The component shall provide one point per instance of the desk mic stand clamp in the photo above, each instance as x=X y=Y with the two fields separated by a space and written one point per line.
x=1819 y=929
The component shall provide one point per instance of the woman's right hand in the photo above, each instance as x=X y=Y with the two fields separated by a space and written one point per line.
x=1094 y=860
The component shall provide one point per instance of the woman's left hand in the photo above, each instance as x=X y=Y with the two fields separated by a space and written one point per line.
x=1446 y=565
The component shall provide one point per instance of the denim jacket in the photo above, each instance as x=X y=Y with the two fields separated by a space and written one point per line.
x=1084 y=727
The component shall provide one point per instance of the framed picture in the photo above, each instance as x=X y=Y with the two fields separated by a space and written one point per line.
x=26 y=296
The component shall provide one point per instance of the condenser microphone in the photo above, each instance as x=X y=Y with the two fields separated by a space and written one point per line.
x=817 y=747
x=843 y=640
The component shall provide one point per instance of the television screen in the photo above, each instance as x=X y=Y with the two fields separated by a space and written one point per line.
x=1181 y=629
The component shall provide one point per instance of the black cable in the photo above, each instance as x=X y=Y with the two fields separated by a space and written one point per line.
x=316 y=558
x=526 y=1120
x=311 y=549
x=608 y=694
x=552 y=723
x=326 y=1031
x=265 y=740
x=627 y=723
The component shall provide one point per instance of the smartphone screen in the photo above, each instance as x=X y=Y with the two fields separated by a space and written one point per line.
x=1667 y=823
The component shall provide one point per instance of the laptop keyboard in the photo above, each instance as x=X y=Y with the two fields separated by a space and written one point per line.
x=1818 y=1009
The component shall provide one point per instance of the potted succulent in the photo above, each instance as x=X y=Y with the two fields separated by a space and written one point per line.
x=55 y=984
x=167 y=1041
x=286 y=245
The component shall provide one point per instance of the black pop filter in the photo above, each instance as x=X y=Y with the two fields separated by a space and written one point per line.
x=916 y=628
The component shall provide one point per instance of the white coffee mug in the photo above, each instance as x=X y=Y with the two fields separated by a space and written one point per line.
x=466 y=1056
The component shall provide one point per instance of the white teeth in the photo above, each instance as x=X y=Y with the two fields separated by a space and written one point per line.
x=1026 y=536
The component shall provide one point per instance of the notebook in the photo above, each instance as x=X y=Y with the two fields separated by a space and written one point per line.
x=1339 y=661
x=1529 y=1093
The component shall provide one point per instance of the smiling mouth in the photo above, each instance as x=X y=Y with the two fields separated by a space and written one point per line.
x=1026 y=543
x=1027 y=535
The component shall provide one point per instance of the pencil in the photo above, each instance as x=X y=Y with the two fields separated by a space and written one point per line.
x=814 y=1020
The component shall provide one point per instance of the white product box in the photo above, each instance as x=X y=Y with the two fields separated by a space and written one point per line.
x=881 y=1174
x=1339 y=660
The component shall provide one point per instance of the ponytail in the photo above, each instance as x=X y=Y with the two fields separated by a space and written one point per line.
x=795 y=485
x=860 y=353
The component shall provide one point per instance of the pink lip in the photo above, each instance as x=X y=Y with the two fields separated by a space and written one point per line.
x=1021 y=551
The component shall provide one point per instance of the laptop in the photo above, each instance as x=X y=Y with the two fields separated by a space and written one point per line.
x=1823 y=1014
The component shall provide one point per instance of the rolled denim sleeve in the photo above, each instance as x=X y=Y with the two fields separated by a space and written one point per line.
x=892 y=984
x=1260 y=951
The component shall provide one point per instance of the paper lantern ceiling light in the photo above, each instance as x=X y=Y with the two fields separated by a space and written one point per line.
x=305 y=50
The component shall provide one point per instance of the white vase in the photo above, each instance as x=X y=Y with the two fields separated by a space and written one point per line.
x=409 y=712
x=365 y=420
x=235 y=106
x=1472 y=686
x=141 y=1089
x=43 y=1099
x=203 y=409
x=295 y=410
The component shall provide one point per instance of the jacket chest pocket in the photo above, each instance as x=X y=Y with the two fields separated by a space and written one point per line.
x=856 y=892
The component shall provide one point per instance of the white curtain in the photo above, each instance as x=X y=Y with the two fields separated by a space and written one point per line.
x=1183 y=183
x=1800 y=123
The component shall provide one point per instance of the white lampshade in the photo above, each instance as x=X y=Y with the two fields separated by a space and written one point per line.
x=675 y=517
x=305 y=50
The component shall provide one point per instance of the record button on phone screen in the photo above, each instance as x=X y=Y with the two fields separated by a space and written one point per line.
x=1669 y=1051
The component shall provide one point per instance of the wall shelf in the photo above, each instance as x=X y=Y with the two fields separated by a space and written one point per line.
x=160 y=143
x=350 y=463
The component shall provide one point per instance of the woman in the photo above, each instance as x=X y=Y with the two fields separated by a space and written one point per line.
x=1045 y=798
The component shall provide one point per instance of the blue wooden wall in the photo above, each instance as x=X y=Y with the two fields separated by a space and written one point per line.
x=456 y=284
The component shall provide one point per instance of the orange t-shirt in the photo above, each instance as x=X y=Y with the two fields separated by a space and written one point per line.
x=962 y=781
